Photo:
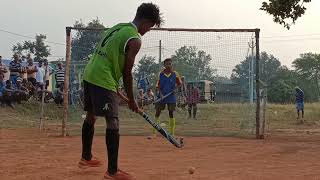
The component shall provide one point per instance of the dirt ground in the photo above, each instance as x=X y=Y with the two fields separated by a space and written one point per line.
x=26 y=154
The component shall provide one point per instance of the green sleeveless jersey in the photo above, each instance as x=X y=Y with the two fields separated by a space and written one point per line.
x=105 y=67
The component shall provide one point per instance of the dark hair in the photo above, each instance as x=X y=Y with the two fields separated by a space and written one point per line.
x=168 y=59
x=150 y=12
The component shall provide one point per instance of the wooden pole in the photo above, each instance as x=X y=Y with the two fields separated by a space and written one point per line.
x=43 y=96
x=251 y=73
x=257 y=34
x=66 y=81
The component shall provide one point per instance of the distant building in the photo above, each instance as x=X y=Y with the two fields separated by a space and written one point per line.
x=206 y=89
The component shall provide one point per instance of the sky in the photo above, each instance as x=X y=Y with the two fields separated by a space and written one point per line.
x=50 y=17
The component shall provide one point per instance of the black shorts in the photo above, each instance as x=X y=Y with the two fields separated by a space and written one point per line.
x=162 y=106
x=100 y=101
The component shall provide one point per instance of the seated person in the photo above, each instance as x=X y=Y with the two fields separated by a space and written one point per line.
x=21 y=92
x=2 y=87
x=140 y=98
x=149 y=97
x=8 y=94
x=31 y=88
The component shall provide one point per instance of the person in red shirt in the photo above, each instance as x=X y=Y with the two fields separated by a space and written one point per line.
x=193 y=96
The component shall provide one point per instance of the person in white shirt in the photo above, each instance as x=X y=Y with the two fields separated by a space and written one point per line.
x=48 y=69
x=40 y=76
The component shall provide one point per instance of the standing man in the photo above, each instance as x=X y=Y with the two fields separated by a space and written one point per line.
x=40 y=76
x=60 y=75
x=3 y=67
x=167 y=83
x=113 y=58
x=31 y=72
x=193 y=96
x=48 y=71
x=15 y=69
x=143 y=82
x=299 y=103
x=23 y=72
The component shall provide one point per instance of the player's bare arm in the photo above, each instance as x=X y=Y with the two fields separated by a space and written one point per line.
x=132 y=50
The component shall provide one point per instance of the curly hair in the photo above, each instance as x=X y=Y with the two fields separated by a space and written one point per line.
x=150 y=12
x=168 y=59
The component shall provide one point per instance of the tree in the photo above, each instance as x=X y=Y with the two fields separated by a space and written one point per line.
x=84 y=42
x=148 y=66
x=269 y=68
x=281 y=90
x=193 y=64
x=37 y=48
x=308 y=67
x=281 y=10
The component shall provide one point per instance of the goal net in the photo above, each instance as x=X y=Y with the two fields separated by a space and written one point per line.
x=221 y=63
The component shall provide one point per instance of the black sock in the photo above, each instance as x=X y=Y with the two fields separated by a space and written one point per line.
x=87 y=137
x=112 y=142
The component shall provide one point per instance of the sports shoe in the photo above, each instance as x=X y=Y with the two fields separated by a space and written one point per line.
x=119 y=175
x=94 y=162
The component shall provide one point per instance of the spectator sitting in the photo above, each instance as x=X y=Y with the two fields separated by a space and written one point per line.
x=2 y=87
x=21 y=92
x=149 y=97
x=8 y=94
x=140 y=98
x=26 y=84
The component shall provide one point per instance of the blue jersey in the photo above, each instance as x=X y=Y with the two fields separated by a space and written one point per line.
x=143 y=83
x=299 y=96
x=167 y=83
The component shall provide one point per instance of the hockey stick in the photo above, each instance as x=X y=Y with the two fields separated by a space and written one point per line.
x=162 y=131
x=163 y=97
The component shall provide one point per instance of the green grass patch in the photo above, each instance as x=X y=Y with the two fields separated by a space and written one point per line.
x=229 y=119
